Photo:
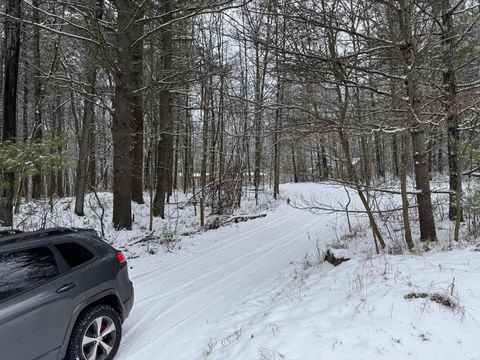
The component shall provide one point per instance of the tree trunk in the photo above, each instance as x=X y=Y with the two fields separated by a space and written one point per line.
x=188 y=177
x=203 y=166
x=325 y=170
x=84 y=143
x=440 y=152
x=92 y=155
x=2 y=58
x=294 y=164
x=213 y=146
x=422 y=181
x=451 y=110
x=122 y=117
x=276 y=152
x=378 y=155
x=260 y=73
x=11 y=56
x=122 y=161
x=417 y=129
x=137 y=169
x=164 y=151
x=25 y=127
x=258 y=122
x=221 y=138
x=280 y=29
x=395 y=157
x=405 y=202
x=37 y=180
x=170 y=144
x=162 y=155
x=60 y=189
x=175 y=161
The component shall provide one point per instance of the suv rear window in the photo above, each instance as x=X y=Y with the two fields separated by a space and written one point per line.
x=25 y=270
x=74 y=253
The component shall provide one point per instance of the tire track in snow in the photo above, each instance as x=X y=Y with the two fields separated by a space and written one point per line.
x=192 y=264
x=206 y=252
x=237 y=260
x=186 y=306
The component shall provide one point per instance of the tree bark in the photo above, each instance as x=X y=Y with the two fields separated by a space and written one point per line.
x=88 y=123
x=378 y=155
x=188 y=177
x=11 y=56
x=221 y=138
x=279 y=100
x=294 y=164
x=213 y=147
x=60 y=183
x=325 y=171
x=203 y=166
x=405 y=202
x=416 y=127
x=395 y=157
x=138 y=124
x=258 y=121
x=175 y=160
x=165 y=119
x=123 y=116
x=37 y=180
x=25 y=114
x=122 y=161
x=451 y=110
x=92 y=155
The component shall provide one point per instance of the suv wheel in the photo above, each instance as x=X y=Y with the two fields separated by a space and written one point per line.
x=96 y=335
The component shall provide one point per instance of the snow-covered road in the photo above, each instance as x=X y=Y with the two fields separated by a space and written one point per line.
x=182 y=298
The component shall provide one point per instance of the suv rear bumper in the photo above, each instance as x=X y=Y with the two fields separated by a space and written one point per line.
x=128 y=304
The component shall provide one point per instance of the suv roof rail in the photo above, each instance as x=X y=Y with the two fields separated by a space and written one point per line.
x=8 y=232
x=18 y=235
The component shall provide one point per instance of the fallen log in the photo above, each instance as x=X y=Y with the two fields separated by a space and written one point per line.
x=336 y=256
x=216 y=222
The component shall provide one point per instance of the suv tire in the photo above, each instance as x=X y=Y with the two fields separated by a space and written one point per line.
x=97 y=330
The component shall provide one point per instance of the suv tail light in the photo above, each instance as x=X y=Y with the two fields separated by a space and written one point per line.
x=121 y=257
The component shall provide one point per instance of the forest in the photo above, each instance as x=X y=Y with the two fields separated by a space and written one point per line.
x=220 y=98
x=252 y=179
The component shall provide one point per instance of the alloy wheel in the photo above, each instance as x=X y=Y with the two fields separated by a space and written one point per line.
x=99 y=339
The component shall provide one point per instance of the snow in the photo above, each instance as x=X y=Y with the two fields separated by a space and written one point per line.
x=340 y=253
x=180 y=221
x=261 y=290
x=249 y=291
x=181 y=300
x=358 y=310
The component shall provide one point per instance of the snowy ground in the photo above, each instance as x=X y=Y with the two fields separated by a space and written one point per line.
x=181 y=220
x=359 y=311
x=258 y=290
x=184 y=299
x=250 y=292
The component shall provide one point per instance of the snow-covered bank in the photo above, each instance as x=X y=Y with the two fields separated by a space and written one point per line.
x=362 y=310
x=181 y=220
x=424 y=306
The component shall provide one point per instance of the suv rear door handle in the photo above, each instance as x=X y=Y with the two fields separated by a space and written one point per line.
x=66 y=287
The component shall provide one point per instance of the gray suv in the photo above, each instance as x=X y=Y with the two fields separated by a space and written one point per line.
x=64 y=294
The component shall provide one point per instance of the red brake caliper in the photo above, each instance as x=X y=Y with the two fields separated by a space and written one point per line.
x=102 y=329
